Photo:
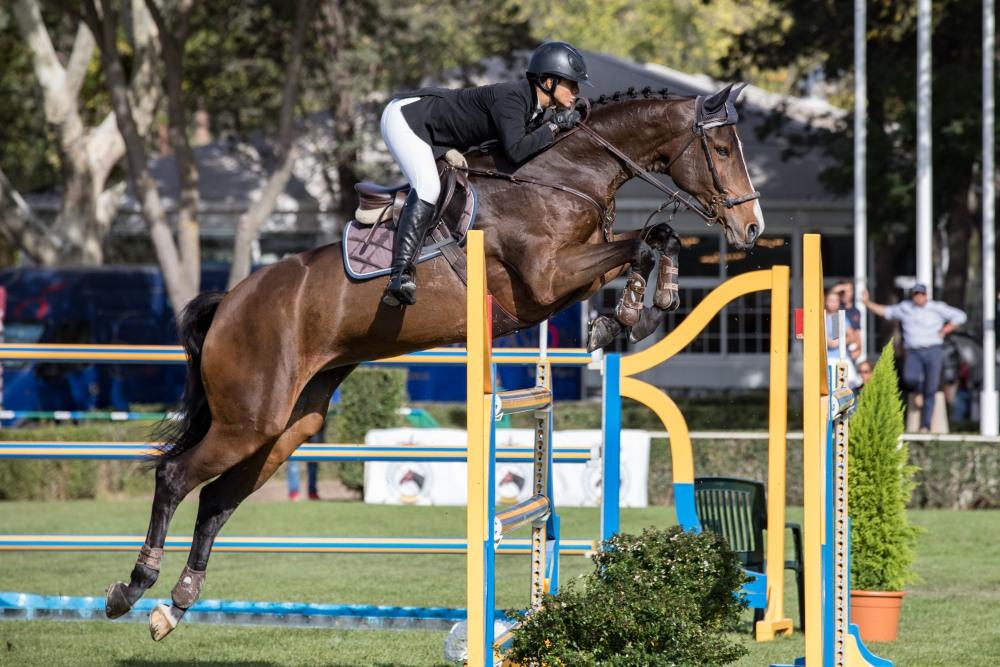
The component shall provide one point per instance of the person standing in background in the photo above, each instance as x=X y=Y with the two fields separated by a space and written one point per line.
x=865 y=369
x=312 y=467
x=925 y=323
x=852 y=337
x=845 y=290
x=312 y=472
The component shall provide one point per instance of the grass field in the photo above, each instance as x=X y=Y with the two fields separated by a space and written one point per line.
x=951 y=617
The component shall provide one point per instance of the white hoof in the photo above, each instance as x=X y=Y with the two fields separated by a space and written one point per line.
x=161 y=622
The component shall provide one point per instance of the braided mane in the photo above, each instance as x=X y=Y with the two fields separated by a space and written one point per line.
x=632 y=94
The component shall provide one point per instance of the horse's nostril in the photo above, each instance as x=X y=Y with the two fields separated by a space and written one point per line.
x=752 y=232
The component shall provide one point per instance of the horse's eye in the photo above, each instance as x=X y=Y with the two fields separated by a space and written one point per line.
x=722 y=150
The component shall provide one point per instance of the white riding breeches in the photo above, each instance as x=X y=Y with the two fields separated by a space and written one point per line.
x=413 y=155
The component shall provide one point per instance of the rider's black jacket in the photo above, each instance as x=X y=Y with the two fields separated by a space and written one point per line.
x=467 y=117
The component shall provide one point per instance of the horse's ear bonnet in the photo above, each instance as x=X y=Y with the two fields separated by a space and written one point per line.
x=720 y=108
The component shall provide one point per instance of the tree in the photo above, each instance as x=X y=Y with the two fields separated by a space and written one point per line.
x=688 y=35
x=821 y=34
x=256 y=66
x=87 y=154
x=180 y=261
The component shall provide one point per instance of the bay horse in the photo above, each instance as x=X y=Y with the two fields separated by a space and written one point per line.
x=264 y=358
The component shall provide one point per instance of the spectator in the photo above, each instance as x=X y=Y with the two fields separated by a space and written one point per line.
x=845 y=290
x=865 y=369
x=832 y=305
x=312 y=473
x=925 y=325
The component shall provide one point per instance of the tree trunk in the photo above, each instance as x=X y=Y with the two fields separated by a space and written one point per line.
x=77 y=236
x=338 y=30
x=22 y=228
x=960 y=227
x=105 y=27
x=172 y=41
x=76 y=223
x=251 y=221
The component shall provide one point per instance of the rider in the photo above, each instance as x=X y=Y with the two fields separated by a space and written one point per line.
x=421 y=126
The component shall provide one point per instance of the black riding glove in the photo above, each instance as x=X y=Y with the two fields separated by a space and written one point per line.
x=566 y=119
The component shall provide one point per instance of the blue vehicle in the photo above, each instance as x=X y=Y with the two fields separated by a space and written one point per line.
x=129 y=306
x=113 y=305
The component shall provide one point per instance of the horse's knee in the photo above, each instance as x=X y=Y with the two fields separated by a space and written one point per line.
x=672 y=244
x=663 y=238
x=645 y=257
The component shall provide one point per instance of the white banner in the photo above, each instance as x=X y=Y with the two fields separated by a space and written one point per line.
x=574 y=484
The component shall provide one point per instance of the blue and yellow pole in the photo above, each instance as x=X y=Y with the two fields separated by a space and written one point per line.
x=480 y=408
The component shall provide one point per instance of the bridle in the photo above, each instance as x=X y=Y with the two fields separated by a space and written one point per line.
x=711 y=214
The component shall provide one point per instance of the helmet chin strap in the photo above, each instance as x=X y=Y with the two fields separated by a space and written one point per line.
x=551 y=90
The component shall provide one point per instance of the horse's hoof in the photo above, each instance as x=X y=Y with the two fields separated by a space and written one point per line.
x=602 y=331
x=161 y=622
x=116 y=604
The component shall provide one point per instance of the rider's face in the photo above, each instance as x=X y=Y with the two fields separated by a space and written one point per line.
x=566 y=92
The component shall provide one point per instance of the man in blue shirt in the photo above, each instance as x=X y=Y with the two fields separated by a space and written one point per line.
x=925 y=324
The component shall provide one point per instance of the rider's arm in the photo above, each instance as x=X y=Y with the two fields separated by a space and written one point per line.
x=519 y=144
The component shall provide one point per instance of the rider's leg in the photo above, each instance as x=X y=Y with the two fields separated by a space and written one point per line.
x=414 y=223
x=416 y=160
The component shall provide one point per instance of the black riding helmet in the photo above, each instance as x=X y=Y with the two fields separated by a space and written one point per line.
x=557 y=59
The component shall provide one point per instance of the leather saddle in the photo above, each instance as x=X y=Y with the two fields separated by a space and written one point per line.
x=378 y=203
x=368 y=238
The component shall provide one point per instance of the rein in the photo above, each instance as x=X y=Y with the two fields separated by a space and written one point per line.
x=607 y=214
x=710 y=215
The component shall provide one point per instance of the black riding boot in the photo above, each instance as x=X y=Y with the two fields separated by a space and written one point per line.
x=414 y=222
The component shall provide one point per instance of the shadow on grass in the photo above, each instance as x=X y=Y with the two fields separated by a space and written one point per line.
x=239 y=663
x=133 y=662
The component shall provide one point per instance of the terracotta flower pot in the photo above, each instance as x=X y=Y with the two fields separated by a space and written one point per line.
x=876 y=613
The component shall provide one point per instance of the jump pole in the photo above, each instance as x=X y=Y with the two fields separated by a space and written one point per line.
x=486 y=527
x=831 y=641
x=766 y=591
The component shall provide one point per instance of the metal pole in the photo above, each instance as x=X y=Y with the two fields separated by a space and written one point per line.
x=988 y=400
x=925 y=208
x=860 y=159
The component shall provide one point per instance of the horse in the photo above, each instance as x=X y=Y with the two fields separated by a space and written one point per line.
x=265 y=358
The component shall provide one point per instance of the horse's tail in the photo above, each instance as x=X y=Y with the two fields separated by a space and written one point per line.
x=178 y=436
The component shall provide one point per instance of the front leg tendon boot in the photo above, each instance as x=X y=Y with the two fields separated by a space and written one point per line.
x=415 y=221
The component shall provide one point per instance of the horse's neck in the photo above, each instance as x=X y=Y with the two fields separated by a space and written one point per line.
x=636 y=128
